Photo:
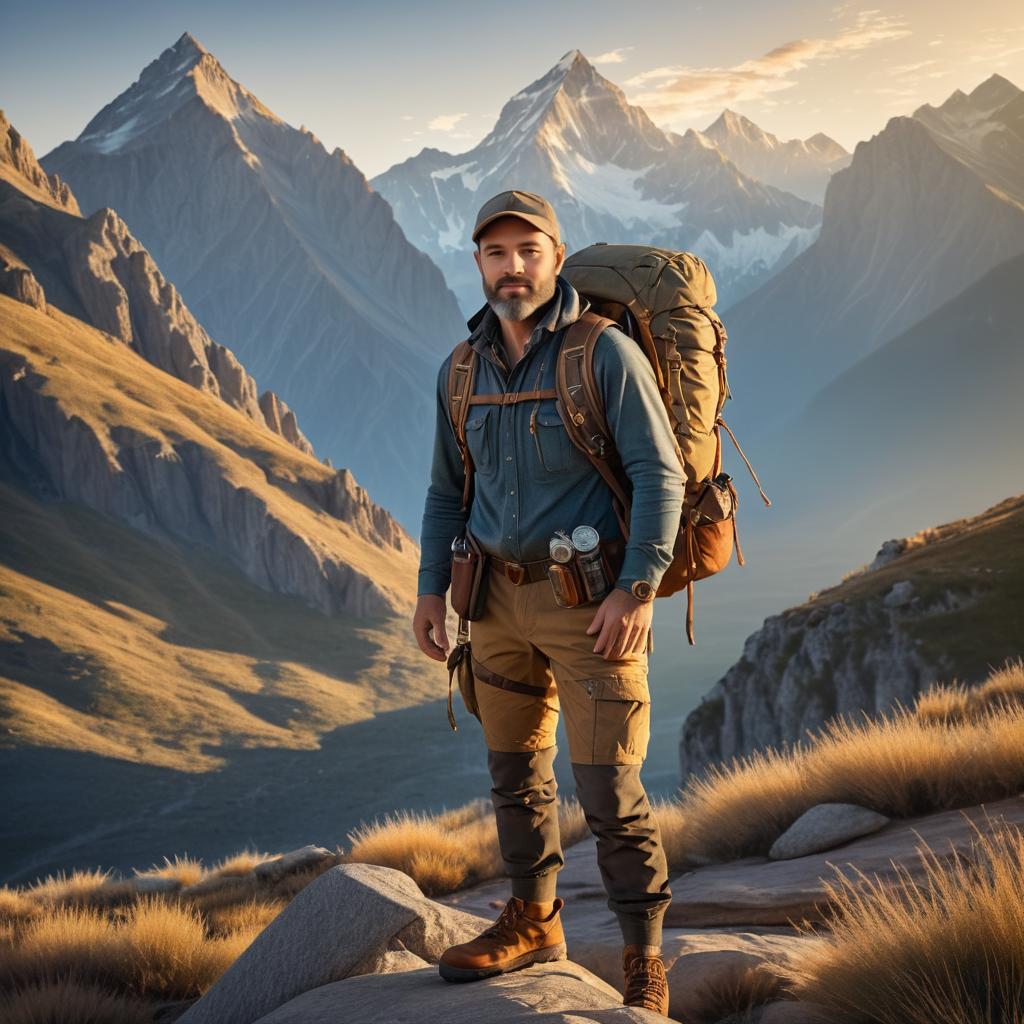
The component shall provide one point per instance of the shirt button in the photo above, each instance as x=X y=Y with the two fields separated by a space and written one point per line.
x=508 y=458
x=511 y=492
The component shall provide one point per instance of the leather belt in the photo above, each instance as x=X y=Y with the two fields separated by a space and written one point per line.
x=532 y=572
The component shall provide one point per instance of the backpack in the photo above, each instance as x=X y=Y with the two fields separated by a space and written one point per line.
x=663 y=300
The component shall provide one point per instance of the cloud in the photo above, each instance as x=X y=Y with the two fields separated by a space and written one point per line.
x=688 y=92
x=908 y=69
x=407 y=117
x=612 y=56
x=445 y=122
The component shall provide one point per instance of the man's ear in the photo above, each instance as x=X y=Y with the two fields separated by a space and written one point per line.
x=476 y=256
x=559 y=256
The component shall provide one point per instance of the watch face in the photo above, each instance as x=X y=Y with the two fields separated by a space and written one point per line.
x=643 y=590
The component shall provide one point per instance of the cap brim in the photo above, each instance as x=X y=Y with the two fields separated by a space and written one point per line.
x=538 y=222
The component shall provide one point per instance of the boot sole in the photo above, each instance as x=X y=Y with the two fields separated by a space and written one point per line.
x=536 y=956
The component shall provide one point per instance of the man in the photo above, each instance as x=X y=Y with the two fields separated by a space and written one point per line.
x=532 y=657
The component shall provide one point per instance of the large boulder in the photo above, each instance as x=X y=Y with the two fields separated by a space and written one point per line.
x=558 y=993
x=346 y=921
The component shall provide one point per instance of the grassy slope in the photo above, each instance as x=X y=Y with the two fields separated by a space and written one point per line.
x=982 y=555
x=114 y=643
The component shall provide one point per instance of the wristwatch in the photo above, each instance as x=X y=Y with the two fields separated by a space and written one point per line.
x=642 y=590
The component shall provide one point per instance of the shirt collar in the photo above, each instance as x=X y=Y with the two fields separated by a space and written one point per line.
x=565 y=307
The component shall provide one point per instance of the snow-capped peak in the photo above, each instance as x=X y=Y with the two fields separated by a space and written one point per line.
x=181 y=73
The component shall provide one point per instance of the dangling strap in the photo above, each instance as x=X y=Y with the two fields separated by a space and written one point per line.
x=746 y=461
x=691 y=570
x=460 y=652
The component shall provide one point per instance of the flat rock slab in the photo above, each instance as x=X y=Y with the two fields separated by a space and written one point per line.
x=558 y=993
x=825 y=826
x=761 y=891
x=346 y=921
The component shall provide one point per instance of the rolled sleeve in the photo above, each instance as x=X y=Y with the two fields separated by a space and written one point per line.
x=443 y=517
x=643 y=437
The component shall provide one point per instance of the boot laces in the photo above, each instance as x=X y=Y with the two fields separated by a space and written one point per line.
x=645 y=978
x=505 y=927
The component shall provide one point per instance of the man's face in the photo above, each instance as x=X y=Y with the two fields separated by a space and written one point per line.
x=518 y=265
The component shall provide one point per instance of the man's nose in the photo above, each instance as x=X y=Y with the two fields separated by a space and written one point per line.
x=515 y=265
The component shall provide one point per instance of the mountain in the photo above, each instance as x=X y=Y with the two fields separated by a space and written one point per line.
x=283 y=251
x=113 y=396
x=611 y=174
x=95 y=270
x=925 y=208
x=944 y=604
x=800 y=166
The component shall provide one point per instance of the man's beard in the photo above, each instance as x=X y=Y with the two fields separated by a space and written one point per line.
x=519 y=307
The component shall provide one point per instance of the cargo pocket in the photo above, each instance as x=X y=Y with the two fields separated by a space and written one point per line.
x=621 y=719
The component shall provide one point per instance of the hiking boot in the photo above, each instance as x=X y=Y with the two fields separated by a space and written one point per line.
x=512 y=942
x=645 y=981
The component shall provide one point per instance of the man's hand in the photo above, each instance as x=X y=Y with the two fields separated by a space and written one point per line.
x=429 y=617
x=624 y=624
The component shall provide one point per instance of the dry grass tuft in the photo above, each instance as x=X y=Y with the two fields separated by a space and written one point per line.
x=185 y=870
x=250 y=917
x=69 y=1002
x=77 y=889
x=948 y=948
x=239 y=864
x=956 y=748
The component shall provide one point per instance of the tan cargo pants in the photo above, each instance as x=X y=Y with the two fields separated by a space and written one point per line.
x=531 y=660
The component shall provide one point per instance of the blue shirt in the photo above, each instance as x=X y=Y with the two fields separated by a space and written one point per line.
x=528 y=485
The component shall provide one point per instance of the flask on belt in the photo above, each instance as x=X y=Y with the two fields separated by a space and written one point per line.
x=560 y=572
x=586 y=541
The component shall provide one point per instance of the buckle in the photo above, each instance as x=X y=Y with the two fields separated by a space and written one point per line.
x=515 y=572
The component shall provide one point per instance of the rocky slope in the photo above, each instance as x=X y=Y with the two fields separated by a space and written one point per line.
x=611 y=174
x=94 y=269
x=800 y=166
x=926 y=207
x=947 y=603
x=282 y=250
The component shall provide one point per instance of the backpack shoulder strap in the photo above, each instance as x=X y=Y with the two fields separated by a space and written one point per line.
x=581 y=408
x=461 y=374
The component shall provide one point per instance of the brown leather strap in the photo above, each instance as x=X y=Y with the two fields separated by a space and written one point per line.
x=582 y=409
x=532 y=572
x=511 y=397
x=485 y=675
x=459 y=652
x=461 y=372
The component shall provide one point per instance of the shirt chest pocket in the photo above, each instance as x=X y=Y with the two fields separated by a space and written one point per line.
x=480 y=440
x=552 y=449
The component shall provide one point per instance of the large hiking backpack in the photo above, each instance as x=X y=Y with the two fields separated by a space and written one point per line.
x=663 y=300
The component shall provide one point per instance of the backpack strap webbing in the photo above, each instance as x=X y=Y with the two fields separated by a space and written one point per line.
x=461 y=372
x=582 y=410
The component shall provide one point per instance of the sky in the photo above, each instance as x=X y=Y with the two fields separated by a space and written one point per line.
x=382 y=80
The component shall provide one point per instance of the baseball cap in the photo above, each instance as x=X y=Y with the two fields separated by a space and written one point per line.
x=528 y=206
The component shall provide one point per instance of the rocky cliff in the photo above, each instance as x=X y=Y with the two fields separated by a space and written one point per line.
x=945 y=603
x=96 y=270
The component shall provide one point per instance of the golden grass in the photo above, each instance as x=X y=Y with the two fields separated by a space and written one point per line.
x=949 y=948
x=448 y=851
x=906 y=763
x=185 y=870
x=70 y=1002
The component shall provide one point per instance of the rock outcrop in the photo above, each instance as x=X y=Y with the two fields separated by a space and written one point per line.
x=875 y=640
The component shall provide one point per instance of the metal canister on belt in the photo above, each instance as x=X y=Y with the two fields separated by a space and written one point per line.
x=564 y=580
x=587 y=542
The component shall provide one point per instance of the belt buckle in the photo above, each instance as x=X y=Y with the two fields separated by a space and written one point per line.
x=515 y=572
